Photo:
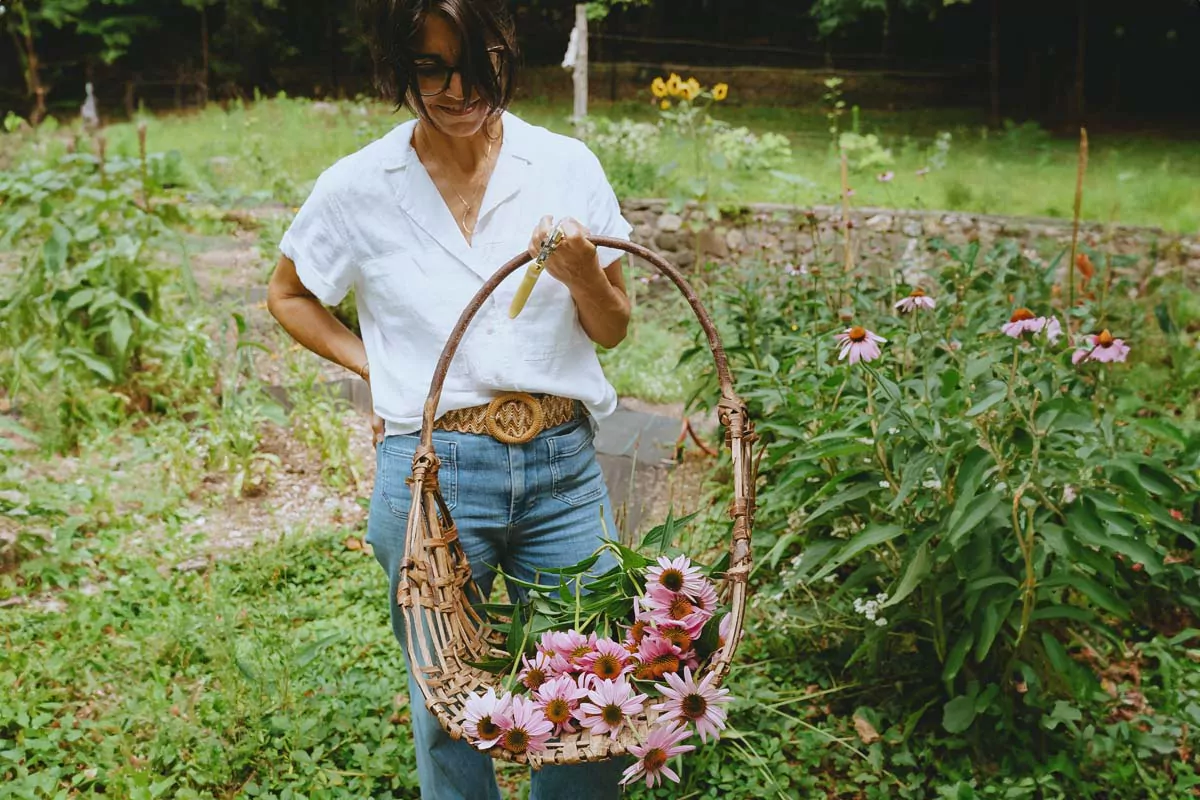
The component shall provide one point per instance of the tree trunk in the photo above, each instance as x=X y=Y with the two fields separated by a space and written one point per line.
x=28 y=52
x=1080 y=66
x=994 y=64
x=581 y=63
x=203 y=56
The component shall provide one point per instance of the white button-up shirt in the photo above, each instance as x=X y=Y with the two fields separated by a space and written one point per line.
x=376 y=223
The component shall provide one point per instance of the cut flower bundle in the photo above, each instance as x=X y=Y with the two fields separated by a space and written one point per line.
x=582 y=681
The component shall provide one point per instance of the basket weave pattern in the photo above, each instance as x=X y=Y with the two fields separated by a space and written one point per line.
x=445 y=635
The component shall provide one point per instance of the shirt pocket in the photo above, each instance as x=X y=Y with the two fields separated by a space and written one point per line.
x=395 y=468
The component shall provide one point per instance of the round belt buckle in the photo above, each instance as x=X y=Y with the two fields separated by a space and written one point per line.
x=514 y=418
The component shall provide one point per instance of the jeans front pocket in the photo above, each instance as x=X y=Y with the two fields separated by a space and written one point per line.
x=575 y=473
x=395 y=468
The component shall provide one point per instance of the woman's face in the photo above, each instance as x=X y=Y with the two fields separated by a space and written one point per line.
x=437 y=50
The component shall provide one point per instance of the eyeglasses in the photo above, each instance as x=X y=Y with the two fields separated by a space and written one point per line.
x=433 y=77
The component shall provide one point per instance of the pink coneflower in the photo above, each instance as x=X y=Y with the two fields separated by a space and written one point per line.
x=860 y=344
x=1103 y=348
x=918 y=299
x=571 y=645
x=541 y=669
x=559 y=699
x=608 y=661
x=697 y=703
x=608 y=706
x=704 y=598
x=675 y=633
x=662 y=743
x=1023 y=321
x=723 y=628
x=675 y=608
x=484 y=715
x=525 y=729
x=849 y=192
x=678 y=574
x=657 y=656
x=793 y=270
x=885 y=177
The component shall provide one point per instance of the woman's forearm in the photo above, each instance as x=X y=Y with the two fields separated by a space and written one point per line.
x=603 y=311
x=314 y=327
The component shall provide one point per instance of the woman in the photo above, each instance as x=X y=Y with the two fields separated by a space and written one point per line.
x=415 y=222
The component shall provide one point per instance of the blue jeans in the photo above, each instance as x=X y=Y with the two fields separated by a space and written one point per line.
x=519 y=507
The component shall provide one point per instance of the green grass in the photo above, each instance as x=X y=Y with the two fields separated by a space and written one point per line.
x=1144 y=179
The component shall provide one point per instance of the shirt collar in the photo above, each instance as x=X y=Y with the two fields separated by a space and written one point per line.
x=517 y=144
x=419 y=198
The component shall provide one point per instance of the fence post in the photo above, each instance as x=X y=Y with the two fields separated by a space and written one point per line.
x=580 y=76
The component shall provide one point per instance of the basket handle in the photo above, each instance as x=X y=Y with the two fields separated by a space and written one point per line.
x=729 y=401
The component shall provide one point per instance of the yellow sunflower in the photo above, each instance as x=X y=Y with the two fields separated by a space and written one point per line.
x=658 y=87
x=693 y=86
x=665 y=104
x=674 y=84
x=720 y=91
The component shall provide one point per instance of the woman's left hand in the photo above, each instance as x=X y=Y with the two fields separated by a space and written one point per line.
x=574 y=260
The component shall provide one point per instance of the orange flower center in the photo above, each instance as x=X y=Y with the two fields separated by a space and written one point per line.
x=678 y=637
x=681 y=607
x=612 y=714
x=1105 y=339
x=1022 y=314
x=918 y=292
x=581 y=651
x=516 y=741
x=857 y=333
x=534 y=678
x=694 y=706
x=558 y=711
x=606 y=666
x=638 y=632
x=672 y=579
x=654 y=760
x=487 y=729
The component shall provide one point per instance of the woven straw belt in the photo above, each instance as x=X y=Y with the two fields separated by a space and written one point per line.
x=512 y=418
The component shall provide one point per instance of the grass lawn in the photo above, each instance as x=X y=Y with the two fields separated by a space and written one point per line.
x=1145 y=179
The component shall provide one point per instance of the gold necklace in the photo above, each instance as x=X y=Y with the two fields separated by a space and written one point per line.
x=467 y=206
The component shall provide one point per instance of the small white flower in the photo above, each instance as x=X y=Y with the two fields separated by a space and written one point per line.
x=1069 y=494
x=884 y=485
x=881 y=622
x=881 y=598
x=830 y=578
x=893 y=431
x=865 y=440
x=1001 y=486
x=932 y=484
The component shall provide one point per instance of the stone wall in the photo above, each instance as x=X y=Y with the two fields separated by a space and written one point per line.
x=795 y=238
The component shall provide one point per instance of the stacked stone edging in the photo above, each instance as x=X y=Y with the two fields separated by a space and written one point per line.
x=784 y=233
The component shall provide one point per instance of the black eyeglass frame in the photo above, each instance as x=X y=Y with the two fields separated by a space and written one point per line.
x=499 y=50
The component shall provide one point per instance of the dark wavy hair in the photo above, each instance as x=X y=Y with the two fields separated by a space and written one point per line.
x=391 y=28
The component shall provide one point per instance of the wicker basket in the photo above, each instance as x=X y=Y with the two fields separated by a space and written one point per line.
x=445 y=635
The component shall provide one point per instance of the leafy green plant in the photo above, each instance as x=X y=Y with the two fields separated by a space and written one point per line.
x=966 y=501
x=94 y=311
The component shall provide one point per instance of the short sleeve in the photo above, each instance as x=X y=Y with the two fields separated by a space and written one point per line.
x=604 y=211
x=318 y=244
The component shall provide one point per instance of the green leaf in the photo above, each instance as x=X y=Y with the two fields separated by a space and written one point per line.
x=871 y=536
x=972 y=516
x=914 y=573
x=993 y=392
x=848 y=495
x=120 y=330
x=1093 y=591
x=994 y=614
x=957 y=655
x=958 y=714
